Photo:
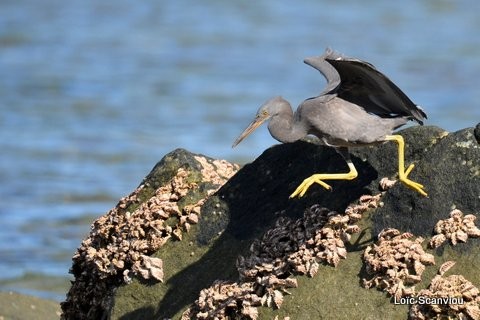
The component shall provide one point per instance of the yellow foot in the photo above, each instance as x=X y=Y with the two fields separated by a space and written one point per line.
x=319 y=177
x=402 y=173
x=403 y=177
x=303 y=187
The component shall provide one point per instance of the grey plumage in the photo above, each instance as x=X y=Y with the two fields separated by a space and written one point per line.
x=359 y=106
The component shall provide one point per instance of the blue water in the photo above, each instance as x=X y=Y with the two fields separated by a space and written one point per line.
x=93 y=94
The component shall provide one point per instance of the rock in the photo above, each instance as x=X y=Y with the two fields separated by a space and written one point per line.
x=141 y=223
x=476 y=132
x=250 y=204
x=449 y=167
x=21 y=306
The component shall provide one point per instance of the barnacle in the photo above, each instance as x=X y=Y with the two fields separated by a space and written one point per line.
x=444 y=268
x=386 y=183
x=149 y=267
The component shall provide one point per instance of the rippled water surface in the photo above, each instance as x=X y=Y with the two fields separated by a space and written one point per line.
x=93 y=94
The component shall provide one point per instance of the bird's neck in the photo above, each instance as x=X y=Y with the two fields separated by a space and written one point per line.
x=285 y=128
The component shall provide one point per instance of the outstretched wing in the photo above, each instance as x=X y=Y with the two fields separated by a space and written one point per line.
x=361 y=83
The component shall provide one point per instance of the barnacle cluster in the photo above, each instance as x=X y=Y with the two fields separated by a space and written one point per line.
x=300 y=246
x=225 y=300
x=365 y=203
x=216 y=171
x=396 y=262
x=317 y=243
x=121 y=241
x=118 y=241
x=457 y=228
x=289 y=248
x=452 y=297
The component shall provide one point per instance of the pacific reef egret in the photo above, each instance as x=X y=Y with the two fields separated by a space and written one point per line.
x=360 y=106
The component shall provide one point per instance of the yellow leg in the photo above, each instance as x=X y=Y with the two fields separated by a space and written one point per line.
x=402 y=173
x=318 y=178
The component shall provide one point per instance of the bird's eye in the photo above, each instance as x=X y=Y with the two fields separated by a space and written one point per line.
x=264 y=113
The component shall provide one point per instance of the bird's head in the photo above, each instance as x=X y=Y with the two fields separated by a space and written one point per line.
x=265 y=112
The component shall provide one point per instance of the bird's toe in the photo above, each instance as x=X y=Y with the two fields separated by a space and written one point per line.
x=409 y=169
x=305 y=185
x=415 y=186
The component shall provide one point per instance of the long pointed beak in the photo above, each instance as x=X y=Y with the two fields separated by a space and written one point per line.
x=251 y=127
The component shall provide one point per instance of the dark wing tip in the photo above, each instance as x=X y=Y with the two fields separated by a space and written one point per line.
x=375 y=91
x=419 y=114
x=337 y=68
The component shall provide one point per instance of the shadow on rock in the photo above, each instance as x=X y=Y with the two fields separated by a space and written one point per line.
x=248 y=205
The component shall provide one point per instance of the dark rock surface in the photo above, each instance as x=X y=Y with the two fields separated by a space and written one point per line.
x=449 y=168
x=448 y=164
